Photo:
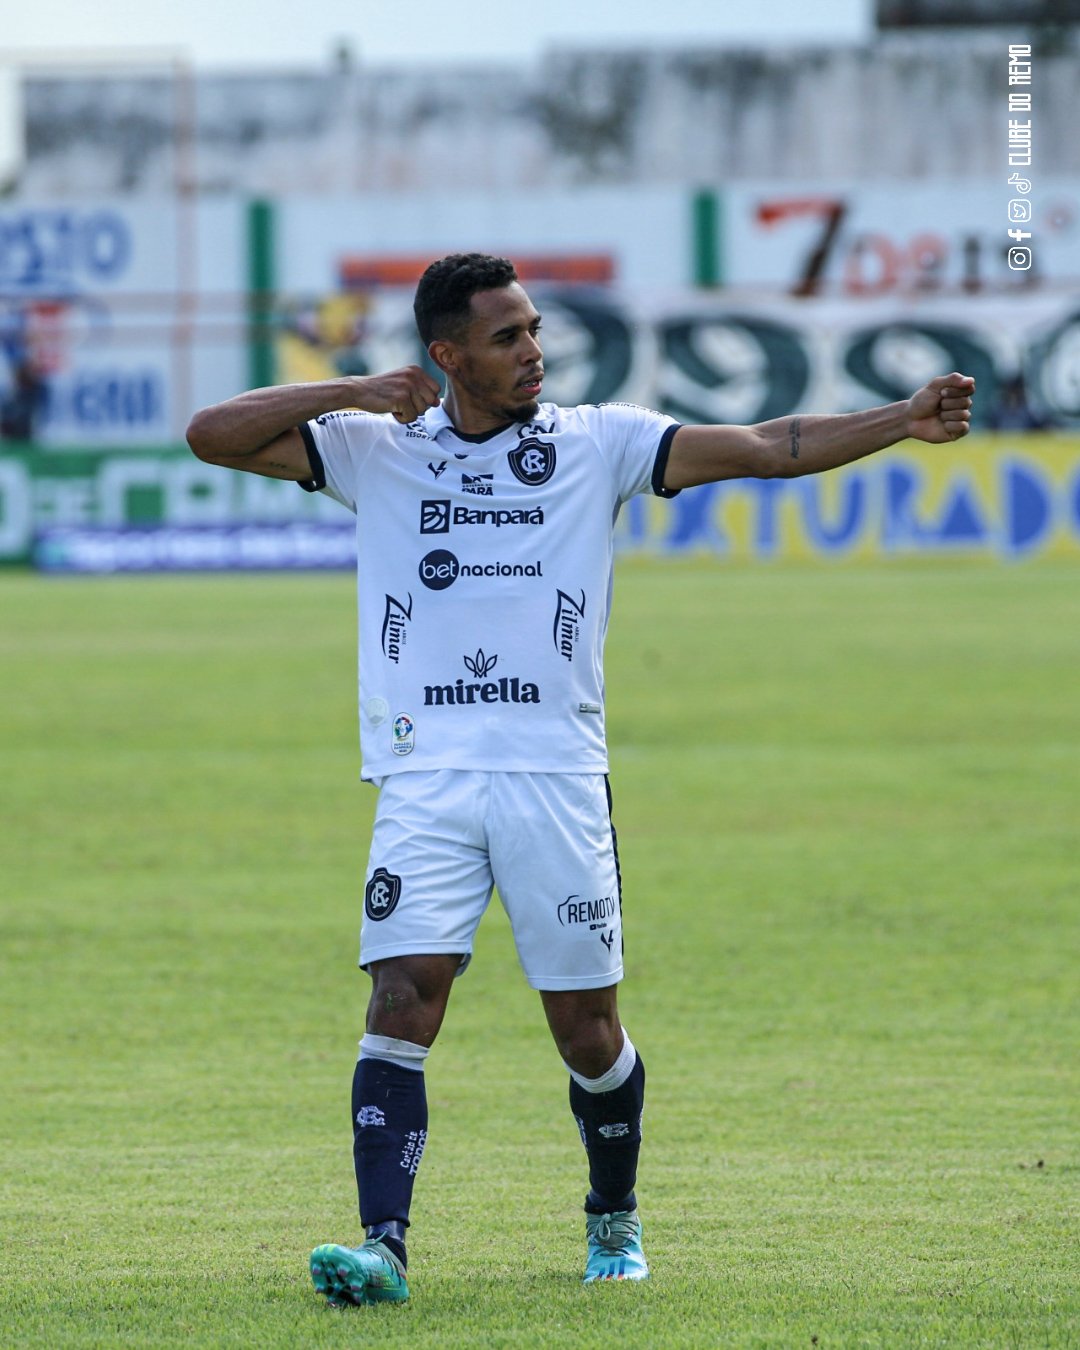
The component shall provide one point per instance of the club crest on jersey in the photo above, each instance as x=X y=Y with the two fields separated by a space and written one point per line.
x=381 y=895
x=403 y=735
x=532 y=461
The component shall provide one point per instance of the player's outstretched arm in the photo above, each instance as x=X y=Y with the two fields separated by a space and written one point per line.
x=789 y=447
x=257 y=432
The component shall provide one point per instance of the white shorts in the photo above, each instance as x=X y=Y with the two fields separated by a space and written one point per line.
x=443 y=838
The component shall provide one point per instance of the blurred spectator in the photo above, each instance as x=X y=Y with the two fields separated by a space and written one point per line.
x=23 y=403
x=1012 y=412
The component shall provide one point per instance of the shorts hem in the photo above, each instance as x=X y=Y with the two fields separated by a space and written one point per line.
x=550 y=984
x=419 y=948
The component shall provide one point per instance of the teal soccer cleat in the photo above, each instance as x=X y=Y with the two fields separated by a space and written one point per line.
x=359 y=1275
x=615 y=1247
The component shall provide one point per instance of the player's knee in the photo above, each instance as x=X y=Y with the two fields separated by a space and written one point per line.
x=589 y=1045
x=408 y=999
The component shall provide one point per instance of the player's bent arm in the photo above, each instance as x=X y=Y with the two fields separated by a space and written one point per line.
x=789 y=447
x=257 y=432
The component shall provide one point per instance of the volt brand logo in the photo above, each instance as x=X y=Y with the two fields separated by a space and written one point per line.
x=435 y=517
x=440 y=568
x=381 y=895
x=437 y=469
x=460 y=693
x=395 y=622
x=593 y=913
x=479 y=484
x=569 y=614
x=533 y=461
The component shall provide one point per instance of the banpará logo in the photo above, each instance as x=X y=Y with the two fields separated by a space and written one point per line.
x=403 y=735
x=436 y=516
x=370 y=1115
x=532 y=462
x=479 y=484
x=440 y=568
x=460 y=693
x=595 y=913
x=395 y=619
x=569 y=614
x=381 y=895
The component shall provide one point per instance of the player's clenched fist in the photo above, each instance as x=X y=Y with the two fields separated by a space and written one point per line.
x=407 y=393
x=941 y=410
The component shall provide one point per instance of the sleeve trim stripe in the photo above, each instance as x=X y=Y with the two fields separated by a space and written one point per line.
x=660 y=463
x=317 y=481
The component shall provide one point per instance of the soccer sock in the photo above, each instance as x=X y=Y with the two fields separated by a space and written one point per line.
x=608 y=1112
x=390 y=1116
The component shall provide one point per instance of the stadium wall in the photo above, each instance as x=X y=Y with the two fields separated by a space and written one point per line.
x=904 y=108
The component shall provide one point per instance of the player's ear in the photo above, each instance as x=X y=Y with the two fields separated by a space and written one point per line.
x=444 y=355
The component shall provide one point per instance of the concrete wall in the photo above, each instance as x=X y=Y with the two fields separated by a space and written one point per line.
x=908 y=107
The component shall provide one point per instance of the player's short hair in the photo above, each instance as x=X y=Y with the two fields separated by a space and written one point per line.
x=445 y=291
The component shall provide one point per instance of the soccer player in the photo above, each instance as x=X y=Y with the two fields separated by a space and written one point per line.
x=484 y=538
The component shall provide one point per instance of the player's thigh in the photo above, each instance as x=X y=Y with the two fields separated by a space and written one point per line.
x=554 y=859
x=428 y=876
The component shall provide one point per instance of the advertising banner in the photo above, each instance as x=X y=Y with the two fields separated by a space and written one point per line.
x=995 y=496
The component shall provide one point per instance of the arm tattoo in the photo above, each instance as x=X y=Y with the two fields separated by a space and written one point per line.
x=794 y=430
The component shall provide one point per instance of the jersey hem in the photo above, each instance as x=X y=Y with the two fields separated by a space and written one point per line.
x=368 y=773
x=553 y=983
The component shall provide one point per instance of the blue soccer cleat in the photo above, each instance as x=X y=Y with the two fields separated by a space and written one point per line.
x=615 y=1247
x=370 y=1273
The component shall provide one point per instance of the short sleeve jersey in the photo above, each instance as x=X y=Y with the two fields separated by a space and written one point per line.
x=484 y=579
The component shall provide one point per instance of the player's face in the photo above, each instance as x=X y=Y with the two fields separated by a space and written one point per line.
x=499 y=366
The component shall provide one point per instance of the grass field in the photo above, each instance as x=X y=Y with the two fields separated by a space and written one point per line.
x=847 y=801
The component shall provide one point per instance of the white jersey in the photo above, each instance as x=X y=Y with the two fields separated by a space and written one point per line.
x=484 y=579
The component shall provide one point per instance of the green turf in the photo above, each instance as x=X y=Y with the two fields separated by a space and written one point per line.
x=847 y=801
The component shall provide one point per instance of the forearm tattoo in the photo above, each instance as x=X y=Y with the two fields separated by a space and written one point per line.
x=794 y=430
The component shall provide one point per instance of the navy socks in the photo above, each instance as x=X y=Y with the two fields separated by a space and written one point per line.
x=390 y=1117
x=609 y=1118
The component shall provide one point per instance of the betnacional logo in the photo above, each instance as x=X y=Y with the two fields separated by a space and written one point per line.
x=507 y=689
x=440 y=568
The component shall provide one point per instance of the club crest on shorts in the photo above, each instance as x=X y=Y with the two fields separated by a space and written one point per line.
x=533 y=461
x=382 y=894
x=403 y=735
